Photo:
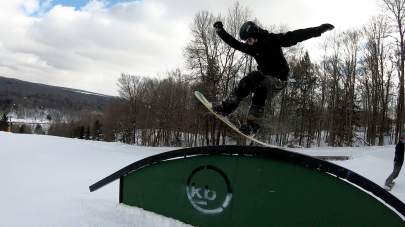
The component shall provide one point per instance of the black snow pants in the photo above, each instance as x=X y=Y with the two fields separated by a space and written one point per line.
x=394 y=174
x=262 y=86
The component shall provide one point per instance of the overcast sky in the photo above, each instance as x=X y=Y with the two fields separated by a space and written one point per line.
x=88 y=44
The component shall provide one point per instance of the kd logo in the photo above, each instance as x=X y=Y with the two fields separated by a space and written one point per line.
x=208 y=190
x=202 y=195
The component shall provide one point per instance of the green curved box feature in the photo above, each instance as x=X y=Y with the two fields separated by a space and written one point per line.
x=225 y=189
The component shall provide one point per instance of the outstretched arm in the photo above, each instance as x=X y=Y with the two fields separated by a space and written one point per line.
x=293 y=37
x=230 y=40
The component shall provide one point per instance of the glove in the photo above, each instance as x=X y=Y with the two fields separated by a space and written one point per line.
x=218 y=25
x=326 y=27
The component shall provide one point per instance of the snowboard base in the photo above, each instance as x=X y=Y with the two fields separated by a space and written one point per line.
x=226 y=121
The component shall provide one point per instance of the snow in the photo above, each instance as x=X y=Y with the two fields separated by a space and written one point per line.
x=375 y=163
x=45 y=180
x=29 y=121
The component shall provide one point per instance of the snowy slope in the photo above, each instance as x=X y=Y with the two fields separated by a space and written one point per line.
x=44 y=180
x=375 y=163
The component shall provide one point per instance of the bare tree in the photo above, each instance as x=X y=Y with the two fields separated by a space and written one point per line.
x=350 y=46
x=377 y=54
x=215 y=65
x=131 y=89
x=396 y=11
x=331 y=66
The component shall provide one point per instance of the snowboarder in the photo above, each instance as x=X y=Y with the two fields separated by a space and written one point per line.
x=398 y=161
x=272 y=71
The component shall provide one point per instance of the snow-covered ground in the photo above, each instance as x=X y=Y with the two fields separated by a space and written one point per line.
x=45 y=180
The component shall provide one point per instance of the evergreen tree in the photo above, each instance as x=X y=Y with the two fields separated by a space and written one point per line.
x=4 y=123
x=81 y=132
x=97 y=131
x=25 y=129
x=38 y=130
x=87 y=133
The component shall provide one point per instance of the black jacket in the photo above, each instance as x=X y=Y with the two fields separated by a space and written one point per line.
x=267 y=51
x=399 y=153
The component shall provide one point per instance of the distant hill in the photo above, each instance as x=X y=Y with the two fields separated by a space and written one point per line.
x=22 y=95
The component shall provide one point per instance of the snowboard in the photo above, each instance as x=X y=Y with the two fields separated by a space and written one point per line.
x=200 y=97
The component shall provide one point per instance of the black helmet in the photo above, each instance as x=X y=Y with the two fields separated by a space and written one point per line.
x=248 y=29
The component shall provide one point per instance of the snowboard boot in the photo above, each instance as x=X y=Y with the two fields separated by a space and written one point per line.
x=388 y=185
x=254 y=120
x=250 y=128
x=227 y=106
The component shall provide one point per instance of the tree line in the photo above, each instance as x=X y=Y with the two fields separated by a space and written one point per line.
x=351 y=94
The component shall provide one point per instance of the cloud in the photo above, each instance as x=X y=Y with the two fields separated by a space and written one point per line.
x=89 y=46
x=81 y=48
